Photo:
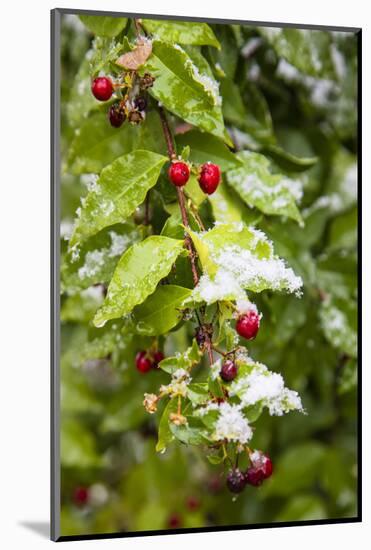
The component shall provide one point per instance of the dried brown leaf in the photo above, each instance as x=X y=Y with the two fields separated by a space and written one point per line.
x=134 y=59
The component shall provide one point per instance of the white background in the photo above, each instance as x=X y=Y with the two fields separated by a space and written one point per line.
x=24 y=288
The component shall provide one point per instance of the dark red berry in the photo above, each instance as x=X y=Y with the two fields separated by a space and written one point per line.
x=158 y=356
x=81 y=496
x=102 y=88
x=261 y=468
x=178 y=173
x=143 y=362
x=193 y=503
x=228 y=371
x=254 y=476
x=140 y=103
x=236 y=481
x=174 y=521
x=116 y=115
x=247 y=324
x=200 y=336
x=209 y=177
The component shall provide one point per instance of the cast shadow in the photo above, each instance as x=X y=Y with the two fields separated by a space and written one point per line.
x=42 y=528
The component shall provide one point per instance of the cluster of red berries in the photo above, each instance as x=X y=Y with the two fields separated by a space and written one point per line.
x=131 y=109
x=147 y=360
x=261 y=468
x=209 y=175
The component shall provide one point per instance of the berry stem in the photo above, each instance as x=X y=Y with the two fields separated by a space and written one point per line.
x=180 y=193
x=181 y=200
x=195 y=213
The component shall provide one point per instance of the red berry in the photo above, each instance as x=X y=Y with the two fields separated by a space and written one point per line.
x=209 y=177
x=263 y=462
x=158 y=356
x=174 y=521
x=228 y=371
x=178 y=173
x=192 y=503
x=81 y=496
x=236 y=481
x=247 y=324
x=143 y=362
x=261 y=468
x=102 y=88
x=116 y=115
x=254 y=476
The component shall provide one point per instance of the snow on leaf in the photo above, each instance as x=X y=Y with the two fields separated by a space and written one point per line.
x=273 y=194
x=260 y=386
x=242 y=259
x=121 y=187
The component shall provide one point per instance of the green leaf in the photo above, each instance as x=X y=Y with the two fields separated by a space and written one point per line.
x=80 y=308
x=104 y=26
x=105 y=52
x=308 y=50
x=137 y=274
x=235 y=257
x=162 y=311
x=215 y=458
x=182 y=32
x=97 y=143
x=198 y=393
x=211 y=149
x=339 y=324
x=273 y=194
x=343 y=231
x=97 y=257
x=191 y=433
x=184 y=360
x=287 y=161
x=183 y=90
x=203 y=252
x=121 y=187
x=215 y=389
x=227 y=206
x=165 y=435
x=252 y=116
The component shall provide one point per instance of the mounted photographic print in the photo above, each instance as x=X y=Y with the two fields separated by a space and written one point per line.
x=204 y=275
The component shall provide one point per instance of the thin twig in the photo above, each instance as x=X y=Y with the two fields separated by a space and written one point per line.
x=180 y=193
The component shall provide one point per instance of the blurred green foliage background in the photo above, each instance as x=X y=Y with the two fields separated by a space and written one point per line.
x=283 y=91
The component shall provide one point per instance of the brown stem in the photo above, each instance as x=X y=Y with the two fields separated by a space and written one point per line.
x=180 y=193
